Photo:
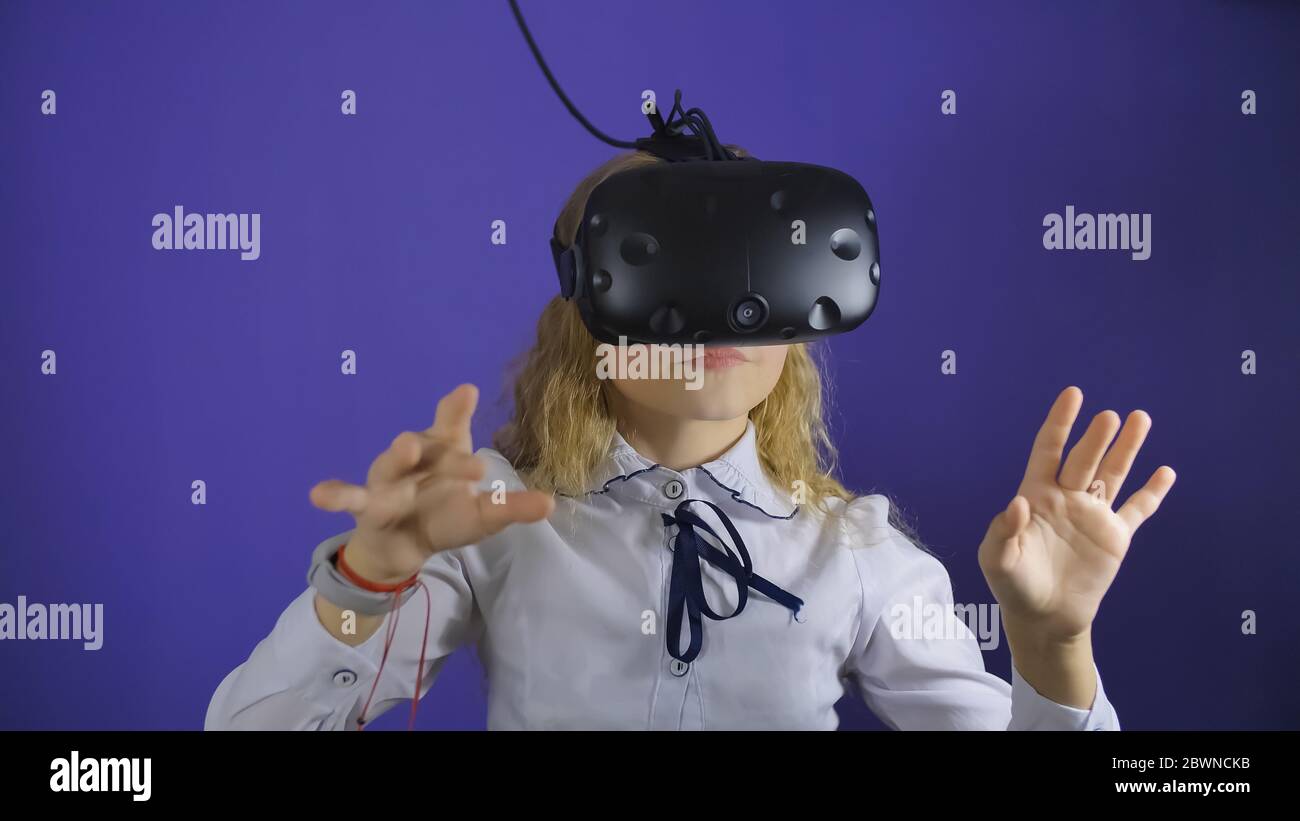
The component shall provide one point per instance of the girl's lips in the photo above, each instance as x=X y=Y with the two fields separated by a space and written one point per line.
x=718 y=358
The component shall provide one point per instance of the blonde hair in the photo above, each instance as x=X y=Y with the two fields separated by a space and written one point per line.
x=562 y=426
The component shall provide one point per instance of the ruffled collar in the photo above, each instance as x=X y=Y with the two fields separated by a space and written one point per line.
x=738 y=472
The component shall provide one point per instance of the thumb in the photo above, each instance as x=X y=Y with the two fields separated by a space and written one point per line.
x=1002 y=540
x=518 y=507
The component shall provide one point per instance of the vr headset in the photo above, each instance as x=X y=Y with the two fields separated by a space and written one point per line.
x=711 y=247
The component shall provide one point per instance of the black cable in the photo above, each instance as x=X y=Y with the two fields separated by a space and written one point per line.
x=710 y=135
x=701 y=133
x=698 y=126
x=706 y=134
x=694 y=119
x=595 y=132
x=676 y=110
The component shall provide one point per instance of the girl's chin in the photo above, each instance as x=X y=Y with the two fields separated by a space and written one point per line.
x=709 y=408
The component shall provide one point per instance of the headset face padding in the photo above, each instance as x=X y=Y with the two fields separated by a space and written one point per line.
x=735 y=253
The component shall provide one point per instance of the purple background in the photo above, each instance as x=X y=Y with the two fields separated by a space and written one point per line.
x=176 y=366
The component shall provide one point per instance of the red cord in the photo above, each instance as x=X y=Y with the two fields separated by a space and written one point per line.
x=391 y=633
x=365 y=584
x=394 y=615
x=424 y=644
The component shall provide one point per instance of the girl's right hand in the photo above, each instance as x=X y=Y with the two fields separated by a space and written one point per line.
x=421 y=496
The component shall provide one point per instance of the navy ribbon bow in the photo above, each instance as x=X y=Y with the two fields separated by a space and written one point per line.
x=686 y=589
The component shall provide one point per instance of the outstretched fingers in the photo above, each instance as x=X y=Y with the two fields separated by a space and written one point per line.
x=337 y=496
x=1119 y=459
x=1086 y=455
x=422 y=451
x=1144 y=502
x=398 y=459
x=515 y=507
x=451 y=421
x=1045 y=455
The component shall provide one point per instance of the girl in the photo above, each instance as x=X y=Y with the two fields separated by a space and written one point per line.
x=634 y=554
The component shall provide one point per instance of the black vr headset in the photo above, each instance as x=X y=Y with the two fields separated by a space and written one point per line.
x=711 y=247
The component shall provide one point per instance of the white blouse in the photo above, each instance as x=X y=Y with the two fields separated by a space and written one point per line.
x=572 y=619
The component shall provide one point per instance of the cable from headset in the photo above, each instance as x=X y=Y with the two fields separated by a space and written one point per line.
x=564 y=98
x=693 y=119
x=698 y=123
x=716 y=149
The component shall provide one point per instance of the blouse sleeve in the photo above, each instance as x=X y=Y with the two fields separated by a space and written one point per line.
x=916 y=664
x=299 y=677
x=302 y=678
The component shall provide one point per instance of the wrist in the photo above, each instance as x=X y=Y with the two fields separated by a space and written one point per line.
x=353 y=591
x=1032 y=636
x=360 y=563
x=1058 y=668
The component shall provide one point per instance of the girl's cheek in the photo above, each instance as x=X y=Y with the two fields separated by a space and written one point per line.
x=772 y=357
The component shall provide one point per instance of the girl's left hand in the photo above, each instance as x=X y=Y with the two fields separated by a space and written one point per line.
x=1053 y=553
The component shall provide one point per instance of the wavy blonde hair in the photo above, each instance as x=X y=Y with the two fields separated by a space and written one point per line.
x=562 y=426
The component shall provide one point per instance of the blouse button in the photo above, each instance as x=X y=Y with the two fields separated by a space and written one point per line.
x=673 y=489
x=678 y=668
x=345 y=678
